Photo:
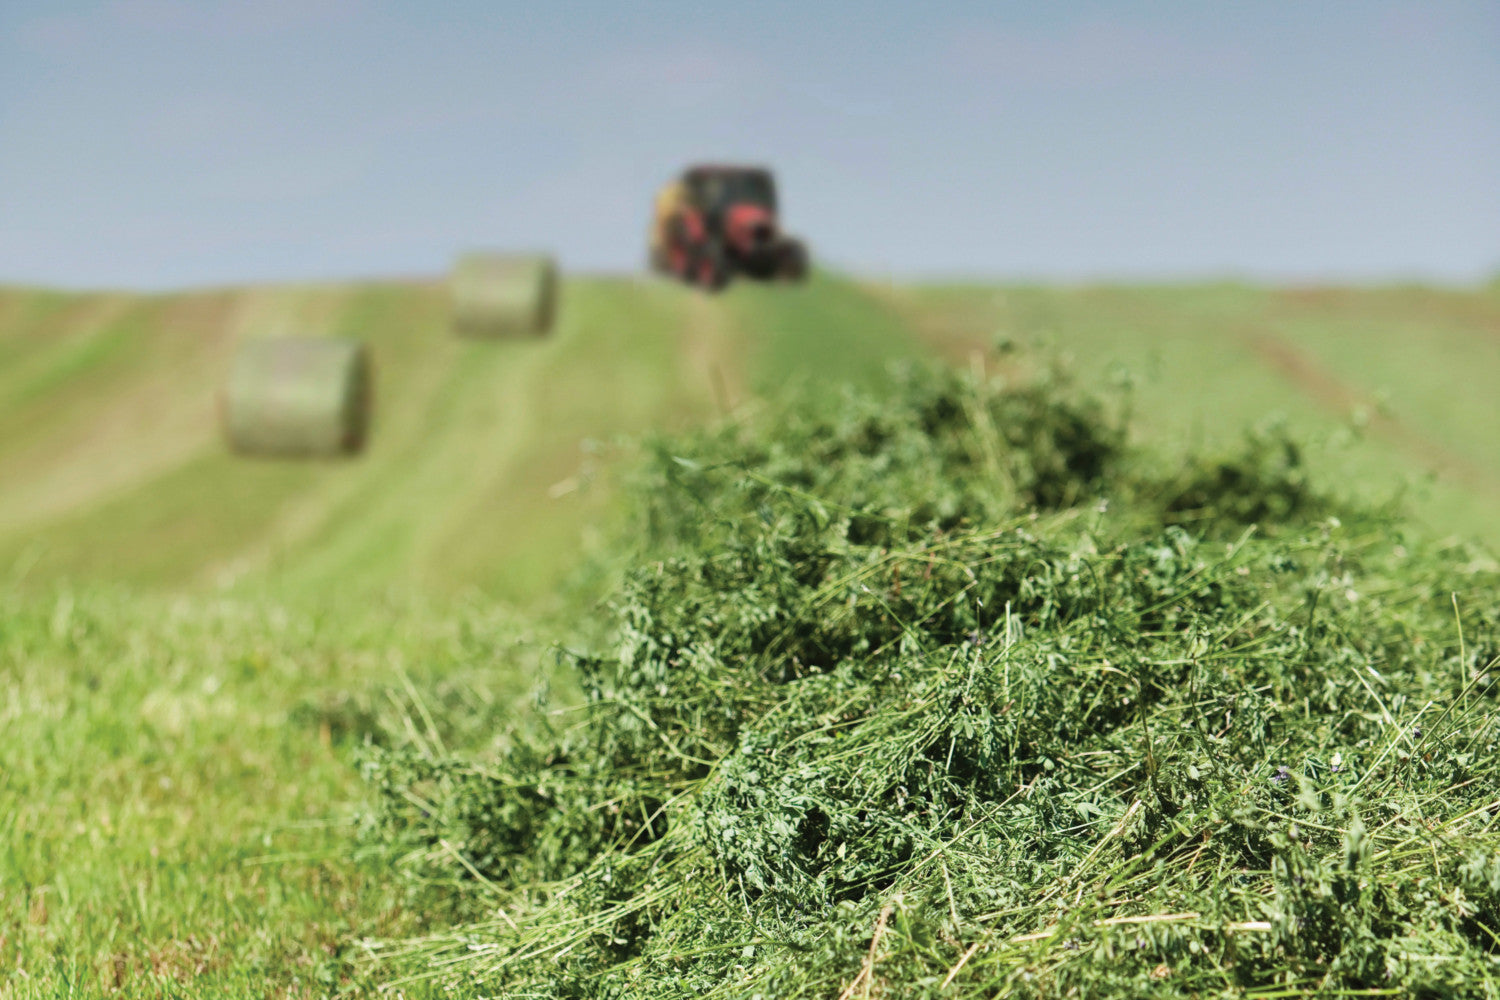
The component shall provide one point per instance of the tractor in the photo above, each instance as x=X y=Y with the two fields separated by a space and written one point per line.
x=716 y=222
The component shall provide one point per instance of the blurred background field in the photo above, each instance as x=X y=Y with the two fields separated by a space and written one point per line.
x=481 y=473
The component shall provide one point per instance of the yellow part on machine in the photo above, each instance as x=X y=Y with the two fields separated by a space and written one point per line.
x=668 y=200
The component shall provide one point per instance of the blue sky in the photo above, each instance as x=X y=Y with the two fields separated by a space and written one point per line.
x=165 y=143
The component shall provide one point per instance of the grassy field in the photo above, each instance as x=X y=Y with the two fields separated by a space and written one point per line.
x=174 y=803
x=1384 y=378
x=114 y=471
x=191 y=644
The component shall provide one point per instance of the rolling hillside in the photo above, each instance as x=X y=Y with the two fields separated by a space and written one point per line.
x=479 y=473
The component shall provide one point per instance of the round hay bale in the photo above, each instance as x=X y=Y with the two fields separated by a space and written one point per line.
x=298 y=397
x=503 y=295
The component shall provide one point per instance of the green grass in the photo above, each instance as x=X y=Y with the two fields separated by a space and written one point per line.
x=1191 y=354
x=177 y=781
x=191 y=645
x=826 y=332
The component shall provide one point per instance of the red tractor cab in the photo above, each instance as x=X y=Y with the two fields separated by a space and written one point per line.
x=716 y=222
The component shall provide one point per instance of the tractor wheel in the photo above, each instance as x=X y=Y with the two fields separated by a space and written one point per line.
x=792 y=265
x=678 y=262
x=710 y=269
x=678 y=253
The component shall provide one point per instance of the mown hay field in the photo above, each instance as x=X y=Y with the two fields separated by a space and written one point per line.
x=199 y=654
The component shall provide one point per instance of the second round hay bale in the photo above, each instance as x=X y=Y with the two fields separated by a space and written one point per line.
x=503 y=295
x=298 y=397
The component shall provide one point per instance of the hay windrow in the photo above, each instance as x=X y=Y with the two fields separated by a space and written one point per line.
x=947 y=692
x=298 y=397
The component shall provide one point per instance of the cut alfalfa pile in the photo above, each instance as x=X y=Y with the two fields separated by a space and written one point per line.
x=936 y=693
